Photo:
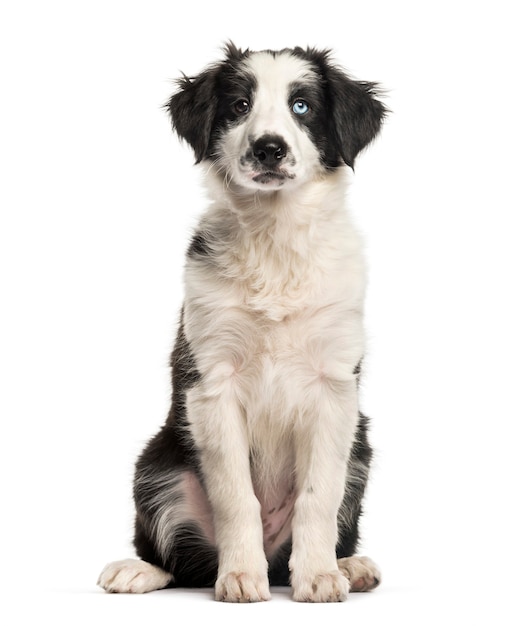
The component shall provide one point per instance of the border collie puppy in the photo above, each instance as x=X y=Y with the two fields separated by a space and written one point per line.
x=258 y=474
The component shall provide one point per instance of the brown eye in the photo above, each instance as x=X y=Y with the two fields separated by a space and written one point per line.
x=242 y=107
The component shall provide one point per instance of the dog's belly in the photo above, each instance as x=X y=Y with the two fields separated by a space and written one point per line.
x=276 y=515
x=276 y=511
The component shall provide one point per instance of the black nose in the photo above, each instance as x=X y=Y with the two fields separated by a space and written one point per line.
x=270 y=150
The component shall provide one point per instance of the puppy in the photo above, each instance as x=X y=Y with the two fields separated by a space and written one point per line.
x=258 y=474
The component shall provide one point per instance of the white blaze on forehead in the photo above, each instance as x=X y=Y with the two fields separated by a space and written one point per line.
x=274 y=70
x=275 y=75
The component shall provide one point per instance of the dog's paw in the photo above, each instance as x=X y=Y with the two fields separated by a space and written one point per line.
x=133 y=576
x=242 y=587
x=325 y=587
x=361 y=572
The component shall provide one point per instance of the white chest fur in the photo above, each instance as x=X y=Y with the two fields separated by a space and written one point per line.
x=275 y=308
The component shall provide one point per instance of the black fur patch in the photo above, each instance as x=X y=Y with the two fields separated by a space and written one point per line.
x=360 y=460
x=193 y=561
x=199 y=246
x=348 y=115
x=204 y=105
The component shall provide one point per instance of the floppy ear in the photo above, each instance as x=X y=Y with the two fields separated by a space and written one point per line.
x=357 y=115
x=193 y=108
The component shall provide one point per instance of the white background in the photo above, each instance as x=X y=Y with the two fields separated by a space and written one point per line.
x=98 y=199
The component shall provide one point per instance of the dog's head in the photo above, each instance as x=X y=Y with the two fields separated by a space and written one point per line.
x=268 y=119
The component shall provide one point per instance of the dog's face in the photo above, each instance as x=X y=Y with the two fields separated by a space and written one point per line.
x=263 y=139
x=275 y=119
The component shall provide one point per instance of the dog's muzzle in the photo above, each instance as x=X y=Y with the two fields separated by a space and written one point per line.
x=269 y=154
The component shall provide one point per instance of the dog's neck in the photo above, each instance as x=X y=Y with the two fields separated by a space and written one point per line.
x=281 y=208
x=281 y=246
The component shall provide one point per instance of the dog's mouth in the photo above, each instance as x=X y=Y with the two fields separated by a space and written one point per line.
x=271 y=176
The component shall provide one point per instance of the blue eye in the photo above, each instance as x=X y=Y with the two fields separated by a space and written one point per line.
x=300 y=107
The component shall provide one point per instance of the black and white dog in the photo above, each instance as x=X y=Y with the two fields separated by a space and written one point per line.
x=257 y=476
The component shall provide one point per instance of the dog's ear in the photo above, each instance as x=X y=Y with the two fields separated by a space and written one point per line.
x=193 y=108
x=357 y=114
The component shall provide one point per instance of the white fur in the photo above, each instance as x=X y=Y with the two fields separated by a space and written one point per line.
x=361 y=572
x=133 y=576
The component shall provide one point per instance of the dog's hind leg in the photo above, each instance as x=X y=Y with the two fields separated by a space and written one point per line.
x=361 y=572
x=133 y=576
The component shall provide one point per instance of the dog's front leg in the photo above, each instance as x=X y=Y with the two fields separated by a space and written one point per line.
x=323 y=440
x=218 y=427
